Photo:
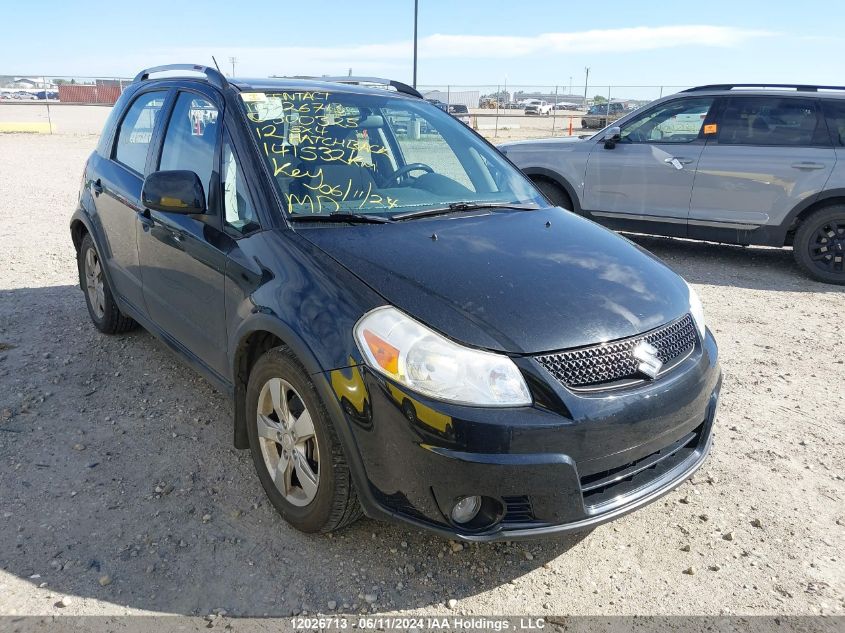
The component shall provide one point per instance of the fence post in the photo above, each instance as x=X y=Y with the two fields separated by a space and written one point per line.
x=554 y=113
x=496 y=127
x=47 y=103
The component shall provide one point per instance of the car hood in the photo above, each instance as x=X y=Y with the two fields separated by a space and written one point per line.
x=521 y=282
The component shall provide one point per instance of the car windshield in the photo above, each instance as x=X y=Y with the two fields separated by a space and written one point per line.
x=341 y=152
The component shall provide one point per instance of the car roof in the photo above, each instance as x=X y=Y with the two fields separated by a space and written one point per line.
x=302 y=84
x=768 y=90
x=213 y=76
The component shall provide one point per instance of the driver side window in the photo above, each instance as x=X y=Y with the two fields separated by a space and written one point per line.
x=673 y=122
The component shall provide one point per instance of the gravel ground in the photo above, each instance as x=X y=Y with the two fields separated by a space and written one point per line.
x=120 y=491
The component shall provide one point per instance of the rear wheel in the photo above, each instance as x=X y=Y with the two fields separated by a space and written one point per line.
x=295 y=448
x=102 y=307
x=819 y=245
x=555 y=193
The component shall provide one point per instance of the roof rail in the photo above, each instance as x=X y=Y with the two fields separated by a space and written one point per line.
x=214 y=76
x=796 y=87
x=397 y=85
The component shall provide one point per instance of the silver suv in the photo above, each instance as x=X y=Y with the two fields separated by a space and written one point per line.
x=737 y=163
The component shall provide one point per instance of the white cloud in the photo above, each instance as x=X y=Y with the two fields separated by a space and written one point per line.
x=389 y=57
x=596 y=41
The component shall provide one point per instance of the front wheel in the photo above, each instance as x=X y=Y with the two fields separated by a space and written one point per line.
x=819 y=245
x=295 y=448
x=556 y=195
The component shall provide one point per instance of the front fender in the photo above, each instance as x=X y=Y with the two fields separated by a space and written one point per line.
x=263 y=322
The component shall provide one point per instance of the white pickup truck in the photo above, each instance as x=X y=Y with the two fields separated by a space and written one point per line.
x=538 y=107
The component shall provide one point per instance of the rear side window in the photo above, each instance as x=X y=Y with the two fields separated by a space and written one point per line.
x=191 y=138
x=136 y=130
x=771 y=121
x=834 y=112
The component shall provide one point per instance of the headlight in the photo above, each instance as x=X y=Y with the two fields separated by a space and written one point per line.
x=697 y=311
x=399 y=347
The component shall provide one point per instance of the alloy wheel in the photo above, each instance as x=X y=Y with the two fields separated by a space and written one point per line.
x=827 y=246
x=94 y=283
x=288 y=442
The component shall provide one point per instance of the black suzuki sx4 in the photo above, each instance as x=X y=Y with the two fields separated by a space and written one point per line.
x=407 y=328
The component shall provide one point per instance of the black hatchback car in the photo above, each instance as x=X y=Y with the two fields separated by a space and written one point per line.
x=408 y=329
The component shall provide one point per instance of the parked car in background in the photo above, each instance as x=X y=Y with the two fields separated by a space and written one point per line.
x=438 y=104
x=736 y=163
x=565 y=106
x=460 y=112
x=600 y=114
x=368 y=297
x=538 y=108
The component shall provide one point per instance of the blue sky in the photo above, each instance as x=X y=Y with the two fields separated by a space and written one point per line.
x=461 y=42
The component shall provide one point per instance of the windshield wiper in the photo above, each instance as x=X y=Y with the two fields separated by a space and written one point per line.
x=463 y=206
x=355 y=218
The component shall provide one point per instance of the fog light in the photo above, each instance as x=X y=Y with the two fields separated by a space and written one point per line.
x=466 y=509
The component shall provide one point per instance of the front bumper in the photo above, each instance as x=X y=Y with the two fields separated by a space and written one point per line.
x=567 y=463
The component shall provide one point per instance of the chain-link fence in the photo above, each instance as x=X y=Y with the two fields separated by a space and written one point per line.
x=80 y=105
x=513 y=111
x=52 y=104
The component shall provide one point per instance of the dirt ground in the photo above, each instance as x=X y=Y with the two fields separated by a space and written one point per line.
x=120 y=491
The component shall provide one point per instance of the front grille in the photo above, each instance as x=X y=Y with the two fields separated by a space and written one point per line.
x=614 y=361
x=615 y=483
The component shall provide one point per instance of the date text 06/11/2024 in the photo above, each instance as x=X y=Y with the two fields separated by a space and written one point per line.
x=443 y=623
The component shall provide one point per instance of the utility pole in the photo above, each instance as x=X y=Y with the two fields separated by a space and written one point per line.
x=586 y=82
x=233 y=61
x=416 y=13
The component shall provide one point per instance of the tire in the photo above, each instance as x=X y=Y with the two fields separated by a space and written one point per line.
x=822 y=229
x=334 y=504
x=555 y=193
x=102 y=308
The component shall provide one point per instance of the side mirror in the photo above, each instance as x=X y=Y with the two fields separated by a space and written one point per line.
x=612 y=136
x=177 y=191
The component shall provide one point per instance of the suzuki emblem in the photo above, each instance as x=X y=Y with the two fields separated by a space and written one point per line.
x=650 y=364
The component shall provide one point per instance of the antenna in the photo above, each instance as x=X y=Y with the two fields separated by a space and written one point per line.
x=216 y=65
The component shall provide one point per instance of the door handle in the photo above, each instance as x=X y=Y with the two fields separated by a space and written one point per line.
x=146 y=219
x=96 y=187
x=807 y=164
x=677 y=163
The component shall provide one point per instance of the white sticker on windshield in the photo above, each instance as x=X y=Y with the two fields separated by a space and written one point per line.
x=252 y=97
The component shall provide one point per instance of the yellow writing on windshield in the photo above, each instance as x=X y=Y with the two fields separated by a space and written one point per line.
x=319 y=151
